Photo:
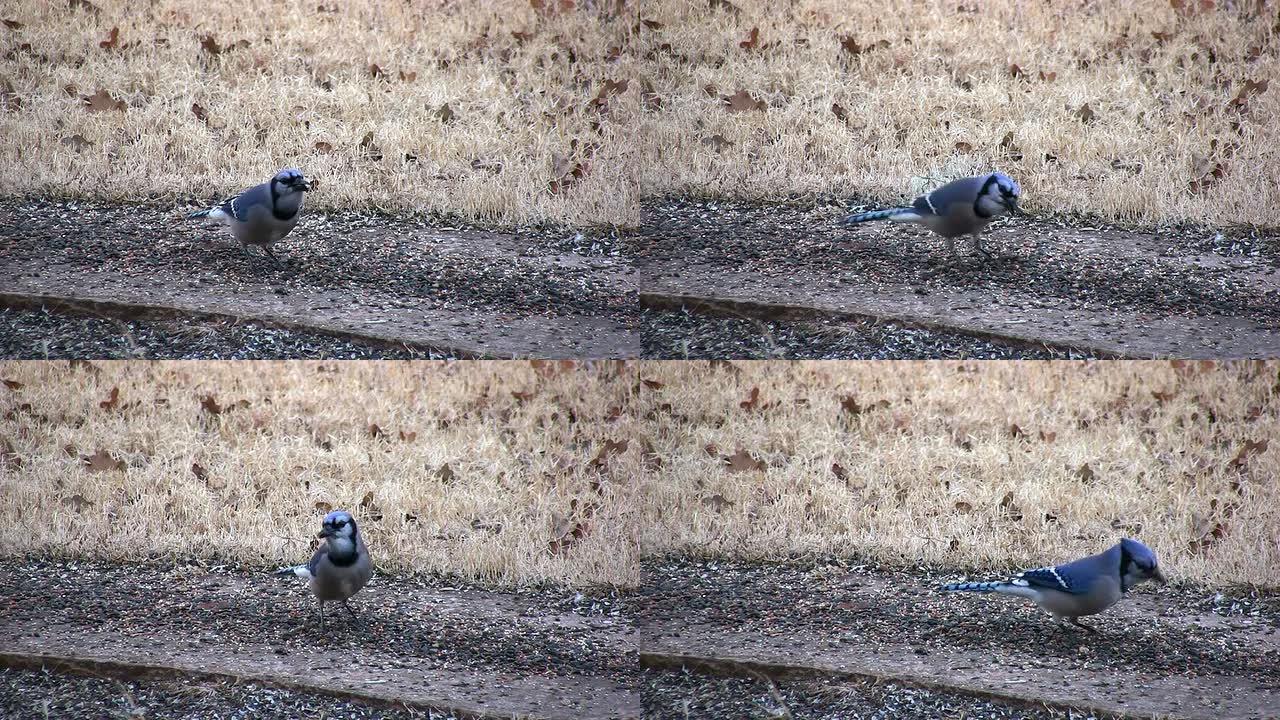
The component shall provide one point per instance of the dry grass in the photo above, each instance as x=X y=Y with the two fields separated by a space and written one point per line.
x=930 y=468
x=925 y=477
x=1162 y=105
x=522 y=106
x=521 y=472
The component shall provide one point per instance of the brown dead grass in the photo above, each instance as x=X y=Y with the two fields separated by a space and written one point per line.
x=931 y=95
x=522 y=500
x=302 y=92
x=930 y=469
x=908 y=462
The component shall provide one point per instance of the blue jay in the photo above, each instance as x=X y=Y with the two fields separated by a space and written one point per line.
x=340 y=566
x=263 y=214
x=961 y=207
x=1084 y=587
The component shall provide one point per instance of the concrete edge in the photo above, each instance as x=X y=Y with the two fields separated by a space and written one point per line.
x=130 y=311
x=734 y=667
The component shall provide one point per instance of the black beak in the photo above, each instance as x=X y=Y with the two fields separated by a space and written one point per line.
x=325 y=532
x=1012 y=204
x=1158 y=576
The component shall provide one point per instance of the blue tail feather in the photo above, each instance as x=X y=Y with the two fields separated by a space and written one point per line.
x=971 y=587
x=876 y=215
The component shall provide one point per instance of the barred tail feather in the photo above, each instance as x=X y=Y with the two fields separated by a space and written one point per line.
x=973 y=587
x=301 y=571
x=894 y=214
x=214 y=213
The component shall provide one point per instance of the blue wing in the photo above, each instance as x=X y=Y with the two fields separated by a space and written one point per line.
x=1060 y=578
x=238 y=205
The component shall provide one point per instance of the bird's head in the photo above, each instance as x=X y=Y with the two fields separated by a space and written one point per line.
x=999 y=195
x=1138 y=564
x=338 y=524
x=292 y=180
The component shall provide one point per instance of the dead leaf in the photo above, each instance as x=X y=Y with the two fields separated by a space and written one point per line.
x=1205 y=532
x=376 y=71
x=102 y=461
x=610 y=448
x=1250 y=88
x=13 y=24
x=113 y=399
x=1048 y=436
x=446 y=474
x=716 y=502
x=609 y=88
x=743 y=461
x=841 y=474
x=323 y=507
x=446 y=113
x=375 y=431
x=1015 y=431
x=1007 y=506
x=752 y=41
x=753 y=399
x=1015 y=71
x=1250 y=448
x=1048 y=76
x=199 y=471
x=852 y=47
x=408 y=436
x=717 y=142
x=722 y=5
x=102 y=101
x=211 y=46
x=1086 y=113
x=112 y=41
x=964 y=147
x=841 y=114
x=368 y=149
x=323 y=147
x=82 y=5
x=742 y=101
x=76 y=502
x=963 y=507
x=210 y=405
x=1207 y=179
x=13 y=384
x=1086 y=473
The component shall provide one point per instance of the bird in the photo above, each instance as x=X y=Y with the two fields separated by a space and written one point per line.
x=263 y=214
x=339 y=567
x=1083 y=587
x=961 y=207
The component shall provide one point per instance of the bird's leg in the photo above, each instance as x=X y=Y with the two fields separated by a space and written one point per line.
x=321 y=603
x=350 y=612
x=1076 y=621
x=272 y=255
x=977 y=245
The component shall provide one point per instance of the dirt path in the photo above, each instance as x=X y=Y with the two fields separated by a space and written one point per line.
x=474 y=292
x=1172 y=654
x=1103 y=290
x=467 y=651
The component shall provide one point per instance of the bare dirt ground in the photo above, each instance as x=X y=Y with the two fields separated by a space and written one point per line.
x=424 y=642
x=1179 y=652
x=1097 y=290
x=537 y=292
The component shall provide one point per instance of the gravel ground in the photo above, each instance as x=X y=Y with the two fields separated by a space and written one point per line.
x=40 y=695
x=1041 y=254
x=678 y=335
x=46 y=334
x=165 y=599
x=838 y=600
x=672 y=695
x=387 y=255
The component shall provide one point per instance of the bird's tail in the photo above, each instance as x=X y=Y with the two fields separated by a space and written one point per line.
x=898 y=214
x=973 y=587
x=214 y=213
x=301 y=571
